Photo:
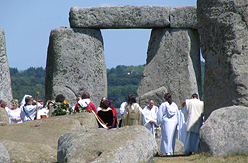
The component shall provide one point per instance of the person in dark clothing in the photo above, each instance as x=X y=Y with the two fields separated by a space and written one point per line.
x=106 y=114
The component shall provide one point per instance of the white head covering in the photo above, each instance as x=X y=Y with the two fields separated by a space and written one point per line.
x=23 y=100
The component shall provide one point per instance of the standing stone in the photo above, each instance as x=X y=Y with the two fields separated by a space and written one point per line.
x=76 y=63
x=4 y=118
x=5 y=80
x=145 y=16
x=224 y=44
x=173 y=61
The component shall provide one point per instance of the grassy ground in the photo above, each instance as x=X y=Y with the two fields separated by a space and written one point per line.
x=195 y=158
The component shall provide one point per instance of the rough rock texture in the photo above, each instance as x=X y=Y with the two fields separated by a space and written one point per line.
x=146 y=16
x=127 y=144
x=183 y=17
x=156 y=95
x=5 y=80
x=75 y=63
x=4 y=155
x=173 y=61
x=223 y=27
x=37 y=141
x=225 y=131
x=4 y=118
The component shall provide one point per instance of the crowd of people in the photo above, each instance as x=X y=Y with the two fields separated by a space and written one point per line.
x=185 y=122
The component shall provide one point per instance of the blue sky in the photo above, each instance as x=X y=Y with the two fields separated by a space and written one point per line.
x=28 y=23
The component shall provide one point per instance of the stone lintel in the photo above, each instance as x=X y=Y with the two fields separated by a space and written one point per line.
x=116 y=17
x=183 y=17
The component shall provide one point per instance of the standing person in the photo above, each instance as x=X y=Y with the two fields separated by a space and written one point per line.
x=4 y=105
x=106 y=114
x=167 y=116
x=181 y=135
x=150 y=116
x=114 y=113
x=133 y=112
x=28 y=111
x=14 y=113
x=100 y=105
x=121 y=112
x=85 y=103
x=194 y=109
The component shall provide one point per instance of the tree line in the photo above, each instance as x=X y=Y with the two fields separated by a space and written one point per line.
x=122 y=80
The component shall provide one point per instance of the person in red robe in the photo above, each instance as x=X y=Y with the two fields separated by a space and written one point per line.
x=85 y=103
x=114 y=113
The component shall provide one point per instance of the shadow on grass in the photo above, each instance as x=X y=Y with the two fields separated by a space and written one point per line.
x=176 y=155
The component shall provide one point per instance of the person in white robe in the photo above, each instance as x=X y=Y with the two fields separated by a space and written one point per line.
x=181 y=134
x=194 y=109
x=167 y=116
x=14 y=113
x=121 y=112
x=150 y=116
x=28 y=111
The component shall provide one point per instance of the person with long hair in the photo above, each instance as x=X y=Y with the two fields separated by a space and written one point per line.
x=132 y=113
x=106 y=113
x=167 y=116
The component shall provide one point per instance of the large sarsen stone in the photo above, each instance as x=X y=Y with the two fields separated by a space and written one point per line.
x=226 y=131
x=76 y=63
x=173 y=61
x=223 y=27
x=37 y=141
x=183 y=17
x=5 y=80
x=127 y=144
x=146 y=16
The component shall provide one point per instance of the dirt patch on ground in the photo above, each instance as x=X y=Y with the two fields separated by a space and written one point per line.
x=195 y=158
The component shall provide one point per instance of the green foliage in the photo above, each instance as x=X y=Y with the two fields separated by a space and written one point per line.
x=61 y=109
x=123 y=80
x=29 y=82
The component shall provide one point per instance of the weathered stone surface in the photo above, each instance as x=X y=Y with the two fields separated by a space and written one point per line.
x=76 y=63
x=224 y=45
x=173 y=61
x=4 y=118
x=156 y=95
x=4 y=155
x=183 y=17
x=225 y=131
x=5 y=80
x=127 y=144
x=37 y=141
x=146 y=16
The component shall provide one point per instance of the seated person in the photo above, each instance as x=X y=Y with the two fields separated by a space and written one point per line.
x=106 y=114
